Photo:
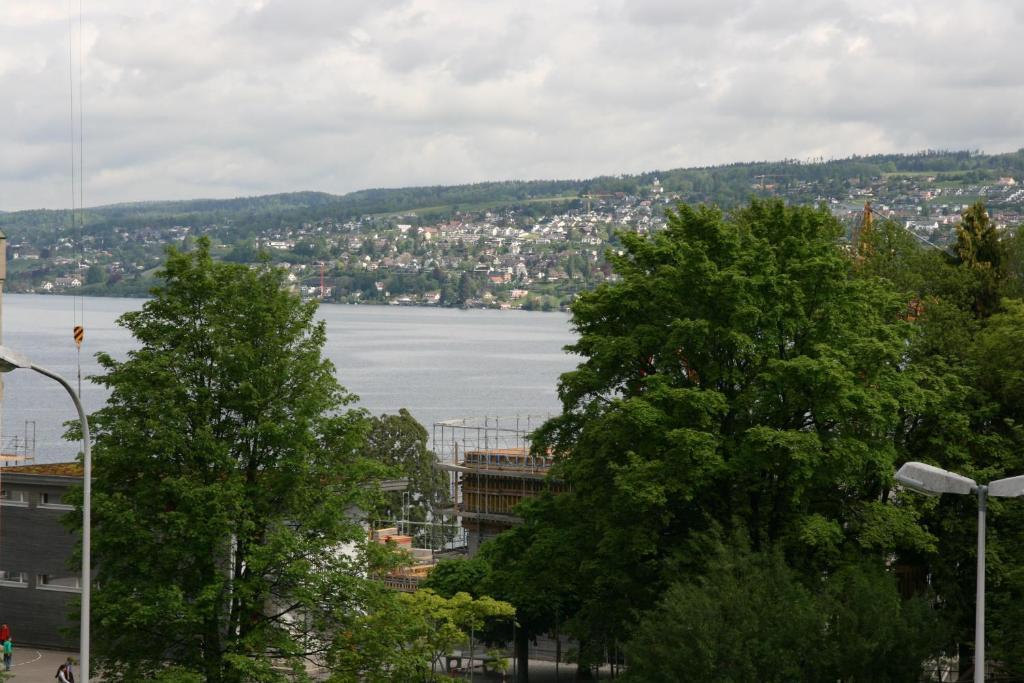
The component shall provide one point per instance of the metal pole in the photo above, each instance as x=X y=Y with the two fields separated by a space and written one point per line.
x=979 y=612
x=558 y=647
x=515 y=653
x=3 y=280
x=86 y=521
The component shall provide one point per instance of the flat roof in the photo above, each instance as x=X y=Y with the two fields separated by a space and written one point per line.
x=55 y=469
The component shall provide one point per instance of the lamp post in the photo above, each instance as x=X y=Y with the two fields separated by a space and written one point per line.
x=934 y=481
x=12 y=360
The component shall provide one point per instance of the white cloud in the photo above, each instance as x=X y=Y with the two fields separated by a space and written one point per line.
x=229 y=97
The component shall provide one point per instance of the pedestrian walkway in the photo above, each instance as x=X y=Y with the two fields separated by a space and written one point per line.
x=32 y=665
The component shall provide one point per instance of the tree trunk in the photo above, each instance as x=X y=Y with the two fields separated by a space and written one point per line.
x=965 y=656
x=211 y=654
x=584 y=671
x=522 y=645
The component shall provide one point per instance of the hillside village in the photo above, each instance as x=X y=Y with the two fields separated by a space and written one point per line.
x=534 y=254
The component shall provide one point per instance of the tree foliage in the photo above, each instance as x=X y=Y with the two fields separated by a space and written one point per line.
x=400 y=443
x=965 y=351
x=744 y=379
x=740 y=375
x=407 y=636
x=751 y=617
x=225 y=465
x=979 y=250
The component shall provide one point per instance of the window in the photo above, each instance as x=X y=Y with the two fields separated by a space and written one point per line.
x=13 y=497
x=59 y=583
x=17 y=579
x=53 y=501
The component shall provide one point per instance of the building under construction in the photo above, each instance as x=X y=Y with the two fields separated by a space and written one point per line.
x=492 y=469
x=19 y=449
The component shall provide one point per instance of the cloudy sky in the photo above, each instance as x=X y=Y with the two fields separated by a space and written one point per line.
x=222 y=98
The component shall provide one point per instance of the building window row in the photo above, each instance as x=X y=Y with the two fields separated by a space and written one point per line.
x=17 y=579
x=19 y=498
x=59 y=583
x=71 y=584
x=14 y=497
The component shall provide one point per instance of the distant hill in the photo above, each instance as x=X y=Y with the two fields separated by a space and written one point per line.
x=725 y=186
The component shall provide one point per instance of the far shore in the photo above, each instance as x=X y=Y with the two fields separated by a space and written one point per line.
x=66 y=293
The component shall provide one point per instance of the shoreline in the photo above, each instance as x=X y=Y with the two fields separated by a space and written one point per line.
x=322 y=303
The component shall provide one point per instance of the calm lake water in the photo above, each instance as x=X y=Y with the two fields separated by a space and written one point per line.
x=438 y=363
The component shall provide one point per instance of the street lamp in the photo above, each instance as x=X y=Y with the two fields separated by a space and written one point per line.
x=12 y=360
x=934 y=481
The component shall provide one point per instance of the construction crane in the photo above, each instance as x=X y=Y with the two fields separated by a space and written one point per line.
x=865 y=249
x=322 y=265
x=864 y=238
x=867 y=227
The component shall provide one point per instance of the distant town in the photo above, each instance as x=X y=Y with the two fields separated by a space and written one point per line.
x=535 y=250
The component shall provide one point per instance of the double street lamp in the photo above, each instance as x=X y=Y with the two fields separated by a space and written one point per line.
x=12 y=360
x=934 y=481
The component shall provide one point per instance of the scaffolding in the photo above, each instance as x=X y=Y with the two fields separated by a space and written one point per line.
x=437 y=535
x=491 y=470
x=19 y=449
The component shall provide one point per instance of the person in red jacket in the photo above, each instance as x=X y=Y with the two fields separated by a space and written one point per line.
x=5 y=633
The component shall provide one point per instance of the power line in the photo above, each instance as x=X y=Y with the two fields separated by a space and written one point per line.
x=77 y=174
x=922 y=239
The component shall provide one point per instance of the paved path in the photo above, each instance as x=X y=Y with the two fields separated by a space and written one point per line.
x=32 y=665
x=540 y=672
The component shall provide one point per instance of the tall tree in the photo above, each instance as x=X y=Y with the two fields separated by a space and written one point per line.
x=964 y=354
x=467 y=287
x=738 y=375
x=225 y=464
x=979 y=249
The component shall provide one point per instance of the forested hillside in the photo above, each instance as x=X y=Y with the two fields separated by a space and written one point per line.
x=725 y=186
x=513 y=244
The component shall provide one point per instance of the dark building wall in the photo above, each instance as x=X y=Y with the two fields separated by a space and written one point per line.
x=33 y=541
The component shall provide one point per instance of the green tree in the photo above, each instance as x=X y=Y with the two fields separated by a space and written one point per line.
x=407 y=636
x=536 y=567
x=738 y=375
x=1013 y=252
x=750 y=617
x=987 y=445
x=458 y=576
x=225 y=465
x=244 y=251
x=979 y=249
x=965 y=355
x=400 y=443
x=467 y=288
x=95 y=275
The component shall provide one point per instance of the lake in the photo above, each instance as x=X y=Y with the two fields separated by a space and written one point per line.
x=439 y=363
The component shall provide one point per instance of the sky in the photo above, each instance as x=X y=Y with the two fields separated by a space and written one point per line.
x=225 y=98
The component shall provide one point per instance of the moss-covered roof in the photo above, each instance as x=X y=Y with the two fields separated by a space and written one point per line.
x=56 y=469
